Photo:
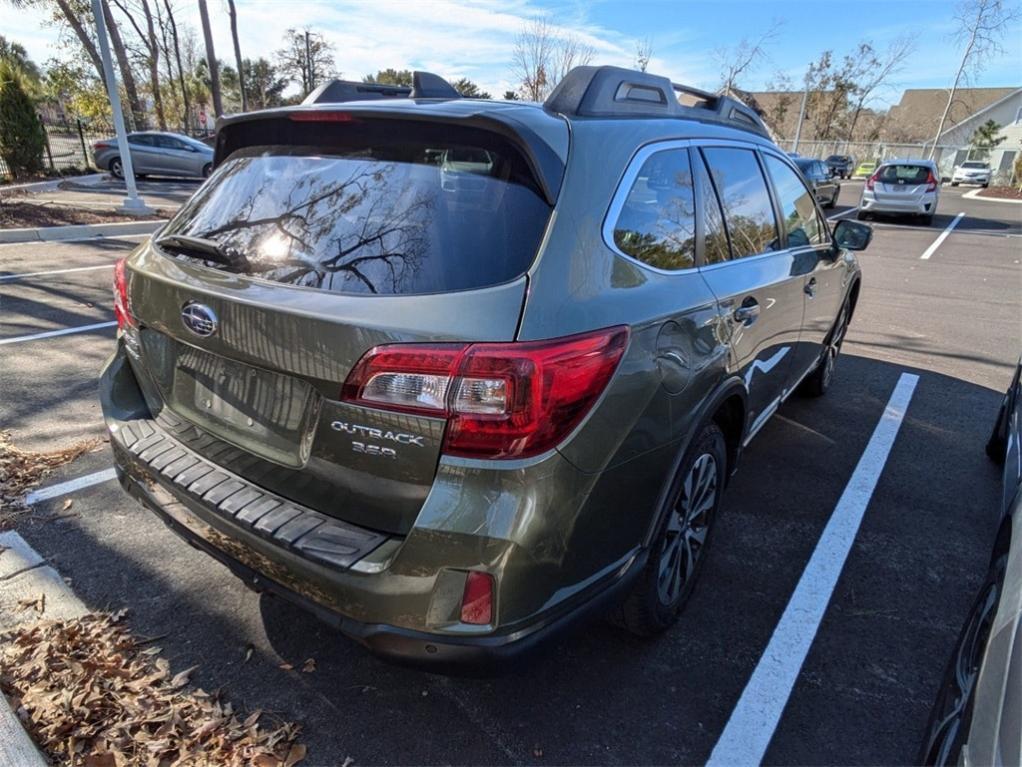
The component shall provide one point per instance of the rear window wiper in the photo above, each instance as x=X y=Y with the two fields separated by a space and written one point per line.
x=211 y=250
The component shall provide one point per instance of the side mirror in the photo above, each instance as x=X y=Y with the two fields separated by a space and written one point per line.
x=852 y=235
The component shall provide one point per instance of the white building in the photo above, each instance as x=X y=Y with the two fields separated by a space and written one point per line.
x=1006 y=112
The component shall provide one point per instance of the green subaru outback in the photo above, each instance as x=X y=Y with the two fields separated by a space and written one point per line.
x=453 y=373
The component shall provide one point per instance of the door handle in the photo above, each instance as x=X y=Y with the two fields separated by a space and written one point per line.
x=747 y=313
x=810 y=288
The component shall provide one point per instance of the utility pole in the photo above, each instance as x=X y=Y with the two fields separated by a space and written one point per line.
x=308 y=63
x=214 y=69
x=132 y=203
x=801 y=118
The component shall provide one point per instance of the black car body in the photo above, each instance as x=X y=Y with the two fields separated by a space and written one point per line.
x=824 y=185
x=840 y=165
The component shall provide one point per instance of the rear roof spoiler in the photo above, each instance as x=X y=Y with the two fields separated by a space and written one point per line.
x=617 y=92
x=425 y=85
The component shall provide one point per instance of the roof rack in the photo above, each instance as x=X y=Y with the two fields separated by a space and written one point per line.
x=617 y=92
x=425 y=85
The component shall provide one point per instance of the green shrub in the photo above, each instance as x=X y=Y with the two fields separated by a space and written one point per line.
x=22 y=140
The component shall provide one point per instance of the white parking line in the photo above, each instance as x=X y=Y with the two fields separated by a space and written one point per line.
x=8 y=277
x=53 y=333
x=943 y=236
x=93 y=238
x=63 y=488
x=748 y=732
x=842 y=213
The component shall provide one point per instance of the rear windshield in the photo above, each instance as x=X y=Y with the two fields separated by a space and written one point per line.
x=908 y=174
x=837 y=158
x=375 y=211
x=982 y=165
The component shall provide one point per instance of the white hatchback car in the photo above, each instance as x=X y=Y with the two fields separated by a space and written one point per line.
x=972 y=172
x=902 y=187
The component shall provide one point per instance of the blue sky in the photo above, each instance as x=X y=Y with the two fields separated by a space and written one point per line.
x=475 y=39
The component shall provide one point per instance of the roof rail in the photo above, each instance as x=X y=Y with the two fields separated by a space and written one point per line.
x=425 y=85
x=617 y=92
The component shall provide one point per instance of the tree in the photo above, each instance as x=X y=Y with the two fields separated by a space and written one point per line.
x=75 y=85
x=541 y=58
x=152 y=52
x=873 y=71
x=186 y=112
x=510 y=96
x=18 y=56
x=264 y=84
x=739 y=60
x=306 y=58
x=391 y=77
x=469 y=89
x=237 y=55
x=21 y=134
x=985 y=139
x=643 y=53
x=981 y=26
x=138 y=119
x=211 y=63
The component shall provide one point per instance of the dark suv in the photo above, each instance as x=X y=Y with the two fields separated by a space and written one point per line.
x=452 y=373
x=840 y=165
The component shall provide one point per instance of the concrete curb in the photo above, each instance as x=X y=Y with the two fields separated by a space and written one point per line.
x=25 y=574
x=49 y=186
x=975 y=195
x=79 y=231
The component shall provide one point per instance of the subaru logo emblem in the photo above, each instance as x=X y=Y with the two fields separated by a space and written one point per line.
x=199 y=319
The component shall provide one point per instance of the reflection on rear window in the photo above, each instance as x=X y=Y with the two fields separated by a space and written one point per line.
x=907 y=174
x=397 y=218
x=981 y=165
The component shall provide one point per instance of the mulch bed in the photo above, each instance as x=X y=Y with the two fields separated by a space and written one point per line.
x=92 y=695
x=1001 y=193
x=24 y=215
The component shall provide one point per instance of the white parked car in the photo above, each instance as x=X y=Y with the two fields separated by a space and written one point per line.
x=972 y=172
x=902 y=187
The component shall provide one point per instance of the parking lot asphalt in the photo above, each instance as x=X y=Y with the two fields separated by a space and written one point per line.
x=599 y=696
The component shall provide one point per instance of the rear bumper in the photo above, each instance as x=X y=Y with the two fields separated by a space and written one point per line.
x=386 y=592
x=924 y=206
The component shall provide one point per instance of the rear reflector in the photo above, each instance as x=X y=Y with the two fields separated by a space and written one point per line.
x=501 y=400
x=122 y=311
x=477 y=600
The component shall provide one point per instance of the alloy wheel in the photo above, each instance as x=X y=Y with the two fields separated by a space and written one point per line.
x=687 y=527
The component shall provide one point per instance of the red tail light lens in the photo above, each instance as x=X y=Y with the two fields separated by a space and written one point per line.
x=477 y=599
x=122 y=310
x=322 y=117
x=931 y=182
x=101 y=145
x=871 y=181
x=502 y=400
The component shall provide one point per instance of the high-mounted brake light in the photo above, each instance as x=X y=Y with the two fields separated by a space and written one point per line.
x=501 y=400
x=122 y=309
x=322 y=117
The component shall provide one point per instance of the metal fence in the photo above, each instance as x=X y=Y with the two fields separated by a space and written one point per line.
x=947 y=157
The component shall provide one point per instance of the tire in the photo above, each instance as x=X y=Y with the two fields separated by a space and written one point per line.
x=997 y=445
x=116 y=167
x=951 y=716
x=863 y=215
x=928 y=220
x=207 y=169
x=818 y=382
x=954 y=183
x=986 y=185
x=833 y=200
x=679 y=549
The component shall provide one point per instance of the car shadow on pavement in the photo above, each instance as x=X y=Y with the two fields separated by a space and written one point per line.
x=598 y=695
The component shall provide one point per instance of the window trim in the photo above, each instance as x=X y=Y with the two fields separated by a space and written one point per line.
x=624 y=187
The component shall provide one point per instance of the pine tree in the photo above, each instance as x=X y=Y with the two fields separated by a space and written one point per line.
x=22 y=141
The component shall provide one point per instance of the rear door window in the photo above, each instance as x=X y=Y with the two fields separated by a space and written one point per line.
x=745 y=199
x=904 y=174
x=802 y=222
x=398 y=208
x=656 y=223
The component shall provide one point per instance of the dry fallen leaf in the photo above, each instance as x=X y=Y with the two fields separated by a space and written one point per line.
x=249 y=649
x=309 y=666
x=67 y=505
x=295 y=755
x=286 y=666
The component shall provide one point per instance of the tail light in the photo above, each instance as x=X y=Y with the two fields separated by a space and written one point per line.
x=317 y=116
x=871 y=181
x=122 y=309
x=931 y=182
x=477 y=599
x=501 y=400
x=101 y=145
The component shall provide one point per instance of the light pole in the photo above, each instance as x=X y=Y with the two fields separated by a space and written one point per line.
x=132 y=203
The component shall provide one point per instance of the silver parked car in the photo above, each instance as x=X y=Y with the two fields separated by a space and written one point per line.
x=976 y=717
x=972 y=172
x=158 y=154
x=902 y=187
